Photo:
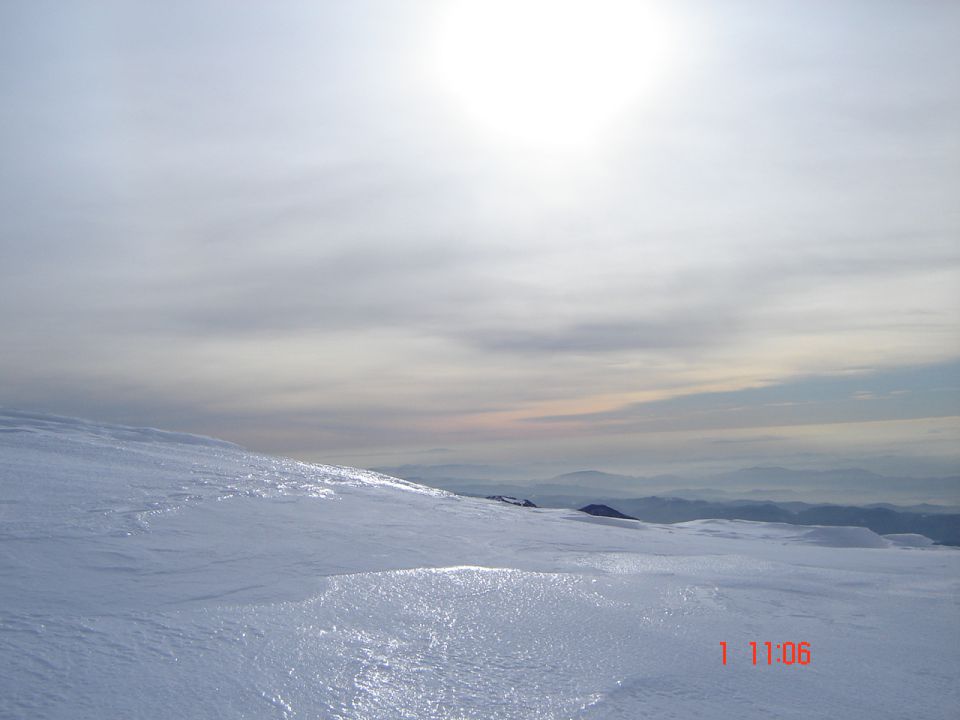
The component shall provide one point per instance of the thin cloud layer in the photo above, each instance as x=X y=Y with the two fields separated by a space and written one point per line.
x=272 y=224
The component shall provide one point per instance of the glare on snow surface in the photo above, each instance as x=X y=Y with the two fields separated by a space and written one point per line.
x=159 y=575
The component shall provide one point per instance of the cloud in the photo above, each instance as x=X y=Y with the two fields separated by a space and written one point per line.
x=748 y=440
x=272 y=225
x=934 y=391
x=592 y=338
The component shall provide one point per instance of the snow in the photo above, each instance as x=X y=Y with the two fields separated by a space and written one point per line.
x=908 y=540
x=162 y=575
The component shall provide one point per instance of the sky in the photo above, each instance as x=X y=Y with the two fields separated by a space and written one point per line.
x=623 y=236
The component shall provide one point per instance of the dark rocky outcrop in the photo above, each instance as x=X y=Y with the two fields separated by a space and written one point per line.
x=511 y=500
x=605 y=511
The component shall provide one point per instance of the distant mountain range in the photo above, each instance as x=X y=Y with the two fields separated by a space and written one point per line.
x=846 y=486
x=768 y=494
x=942 y=528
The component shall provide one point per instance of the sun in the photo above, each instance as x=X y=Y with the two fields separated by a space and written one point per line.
x=550 y=72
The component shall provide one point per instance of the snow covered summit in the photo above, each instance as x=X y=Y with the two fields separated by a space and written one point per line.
x=146 y=574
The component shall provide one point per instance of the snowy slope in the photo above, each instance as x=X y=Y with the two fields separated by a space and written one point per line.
x=146 y=574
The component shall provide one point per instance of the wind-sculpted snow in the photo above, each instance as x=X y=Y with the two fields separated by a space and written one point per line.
x=154 y=575
x=69 y=477
x=827 y=536
x=908 y=540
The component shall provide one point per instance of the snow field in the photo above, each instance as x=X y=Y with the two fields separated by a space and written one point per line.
x=155 y=575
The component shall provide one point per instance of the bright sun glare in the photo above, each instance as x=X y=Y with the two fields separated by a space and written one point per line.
x=550 y=72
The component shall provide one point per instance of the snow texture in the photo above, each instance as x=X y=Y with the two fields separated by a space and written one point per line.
x=146 y=574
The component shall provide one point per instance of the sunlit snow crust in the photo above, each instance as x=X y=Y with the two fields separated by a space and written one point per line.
x=160 y=575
